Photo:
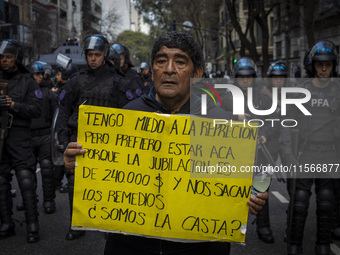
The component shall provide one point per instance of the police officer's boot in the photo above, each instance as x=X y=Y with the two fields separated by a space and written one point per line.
x=48 y=184
x=297 y=224
x=336 y=217
x=27 y=184
x=72 y=234
x=7 y=227
x=263 y=230
x=324 y=214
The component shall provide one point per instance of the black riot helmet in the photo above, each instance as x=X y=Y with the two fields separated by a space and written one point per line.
x=48 y=70
x=65 y=66
x=14 y=47
x=37 y=67
x=127 y=57
x=121 y=50
x=114 y=56
x=244 y=66
x=68 y=71
x=277 y=68
x=96 y=42
x=307 y=63
x=144 y=65
x=324 y=51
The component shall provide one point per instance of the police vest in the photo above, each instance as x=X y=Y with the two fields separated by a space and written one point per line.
x=100 y=91
x=320 y=126
x=18 y=86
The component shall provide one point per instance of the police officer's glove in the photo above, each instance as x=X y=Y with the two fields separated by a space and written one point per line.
x=289 y=159
x=3 y=102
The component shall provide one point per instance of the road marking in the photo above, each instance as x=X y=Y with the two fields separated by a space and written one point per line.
x=280 y=197
x=335 y=249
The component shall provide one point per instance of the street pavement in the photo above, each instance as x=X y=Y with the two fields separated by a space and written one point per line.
x=53 y=229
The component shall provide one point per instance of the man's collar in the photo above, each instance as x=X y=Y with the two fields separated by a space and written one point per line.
x=184 y=109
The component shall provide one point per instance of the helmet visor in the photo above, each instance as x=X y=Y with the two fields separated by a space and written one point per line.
x=63 y=60
x=8 y=47
x=324 y=51
x=37 y=68
x=95 y=43
x=118 y=48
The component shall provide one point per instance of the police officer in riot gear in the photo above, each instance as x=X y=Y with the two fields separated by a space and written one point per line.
x=134 y=83
x=41 y=140
x=244 y=74
x=316 y=146
x=277 y=78
x=23 y=102
x=64 y=73
x=145 y=73
x=98 y=85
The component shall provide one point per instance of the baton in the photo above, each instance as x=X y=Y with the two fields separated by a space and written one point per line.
x=295 y=150
x=271 y=161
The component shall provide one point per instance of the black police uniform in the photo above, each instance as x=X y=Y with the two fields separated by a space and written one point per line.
x=316 y=146
x=148 y=83
x=100 y=88
x=18 y=155
x=134 y=84
x=41 y=142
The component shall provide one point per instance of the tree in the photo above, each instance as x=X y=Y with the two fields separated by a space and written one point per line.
x=257 y=14
x=110 y=25
x=139 y=45
x=159 y=15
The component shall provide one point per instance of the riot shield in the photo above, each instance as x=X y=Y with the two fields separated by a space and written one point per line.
x=57 y=155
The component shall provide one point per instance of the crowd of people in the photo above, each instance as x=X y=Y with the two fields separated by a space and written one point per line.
x=30 y=98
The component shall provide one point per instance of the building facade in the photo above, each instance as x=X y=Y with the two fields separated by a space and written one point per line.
x=41 y=26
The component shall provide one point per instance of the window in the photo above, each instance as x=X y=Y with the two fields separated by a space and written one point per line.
x=278 y=50
x=258 y=34
x=245 y=5
x=97 y=8
x=62 y=14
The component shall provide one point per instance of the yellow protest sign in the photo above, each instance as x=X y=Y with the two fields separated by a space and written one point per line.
x=146 y=174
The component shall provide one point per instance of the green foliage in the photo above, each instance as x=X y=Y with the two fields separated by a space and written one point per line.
x=139 y=45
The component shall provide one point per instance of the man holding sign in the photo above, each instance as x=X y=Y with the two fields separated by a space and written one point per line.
x=176 y=57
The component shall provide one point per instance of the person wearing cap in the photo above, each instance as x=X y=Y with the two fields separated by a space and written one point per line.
x=98 y=85
x=318 y=134
x=22 y=103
